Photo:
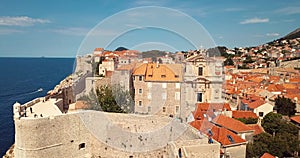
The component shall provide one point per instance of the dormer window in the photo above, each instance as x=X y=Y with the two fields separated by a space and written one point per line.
x=176 y=76
x=163 y=76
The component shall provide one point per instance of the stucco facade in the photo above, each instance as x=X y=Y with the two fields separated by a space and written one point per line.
x=202 y=82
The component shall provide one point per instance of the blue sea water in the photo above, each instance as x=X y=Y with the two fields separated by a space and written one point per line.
x=20 y=80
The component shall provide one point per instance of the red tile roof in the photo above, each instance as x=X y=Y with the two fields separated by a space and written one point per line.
x=231 y=124
x=219 y=134
x=243 y=114
x=98 y=49
x=267 y=155
x=202 y=125
x=295 y=80
x=223 y=135
x=257 y=128
x=212 y=106
x=296 y=119
x=256 y=104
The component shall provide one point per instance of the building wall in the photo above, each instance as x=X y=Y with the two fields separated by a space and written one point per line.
x=106 y=66
x=236 y=151
x=209 y=83
x=157 y=97
x=61 y=136
x=123 y=78
x=265 y=108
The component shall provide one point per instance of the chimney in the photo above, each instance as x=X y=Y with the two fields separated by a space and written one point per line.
x=157 y=64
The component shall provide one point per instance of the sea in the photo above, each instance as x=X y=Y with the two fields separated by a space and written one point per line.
x=23 y=79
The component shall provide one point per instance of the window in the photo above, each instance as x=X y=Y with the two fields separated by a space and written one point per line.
x=149 y=108
x=164 y=85
x=164 y=109
x=261 y=114
x=177 y=109
x=140 y=78
x=164 y=96
x=81 y=146
x=177 y=95
x=133 y=78
x=140 y=91
x=199 y=97
x=200 y=71
x=230 y=139
x=163 y=76
x=177 y=85
x=140 y=103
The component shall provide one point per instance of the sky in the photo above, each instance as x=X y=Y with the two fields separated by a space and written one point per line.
x=57 y=28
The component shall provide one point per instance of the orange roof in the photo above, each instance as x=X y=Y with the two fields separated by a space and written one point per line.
x=98 y=49
x=202 y=125
x=160 y=72
x=296 y=79
x=140 y=70
x=292 y=96
x=257 y=128
x=231 y=124
x=296 y=119
x=275 y=88
x=267 y=155
x=256 y=104
x=220 y=134
x=212 y=106
x=274 y=79
x=243 y=114
x=225 y=136
x=289 y=85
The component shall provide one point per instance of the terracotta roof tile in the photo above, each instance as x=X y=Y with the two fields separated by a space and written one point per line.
x=231 y=124
x=267 y=155
x=295 y=80
x=296 y=119
x=212 y=106
x=256 y=104
x=220 y=134
x=225 y=136
x=161 y=72
x=257 y=128
x=140 y=70
x=243 y=114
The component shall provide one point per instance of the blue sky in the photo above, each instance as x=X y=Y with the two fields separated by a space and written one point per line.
x=56 y=28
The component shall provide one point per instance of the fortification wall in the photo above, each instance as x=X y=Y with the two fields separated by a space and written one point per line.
x=85 y=134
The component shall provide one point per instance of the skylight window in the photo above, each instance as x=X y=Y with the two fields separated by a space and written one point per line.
x=230 y=139
x=210 y=132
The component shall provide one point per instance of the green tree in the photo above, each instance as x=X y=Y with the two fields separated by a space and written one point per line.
x=285 y=106
x=249 y=120
x=114 y=99
x=259 y=146
x=271 y=122
x=228 y=61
